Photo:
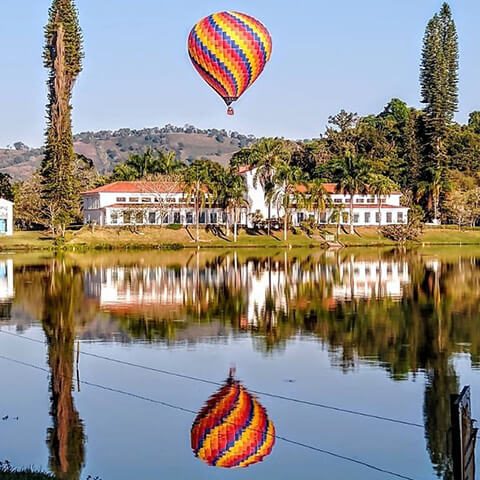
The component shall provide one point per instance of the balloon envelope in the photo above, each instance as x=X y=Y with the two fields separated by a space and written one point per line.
x=229 y=50
x=233 y=429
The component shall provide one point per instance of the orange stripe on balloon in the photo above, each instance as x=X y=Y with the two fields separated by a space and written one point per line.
x=248 y=439
x=218 y=439
x=259 y=29
x=199 y=40
x=248 y=46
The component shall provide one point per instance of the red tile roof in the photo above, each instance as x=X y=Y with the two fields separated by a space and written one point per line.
x=160 y=186
x=346 y=206
x=245 y=168
x=330 y=188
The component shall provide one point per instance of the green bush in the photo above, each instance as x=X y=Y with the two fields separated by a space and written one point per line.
x=175 y=226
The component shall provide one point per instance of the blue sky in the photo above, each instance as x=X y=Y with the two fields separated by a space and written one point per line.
x=327 y=55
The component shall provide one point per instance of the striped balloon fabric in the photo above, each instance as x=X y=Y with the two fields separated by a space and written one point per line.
x=229 y=50
x=233 y=429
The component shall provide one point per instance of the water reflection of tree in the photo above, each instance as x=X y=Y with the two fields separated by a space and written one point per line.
x=420 y=330
x=62 y=303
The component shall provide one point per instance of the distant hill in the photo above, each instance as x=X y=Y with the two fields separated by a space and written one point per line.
x=108 y=148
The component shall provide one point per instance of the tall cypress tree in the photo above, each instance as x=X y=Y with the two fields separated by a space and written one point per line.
x=63 y=55
x=439 y=89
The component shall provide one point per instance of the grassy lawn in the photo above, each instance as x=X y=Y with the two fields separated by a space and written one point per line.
x=444 y=236
x=151 y=237
x=164 y=238
x=26 y=241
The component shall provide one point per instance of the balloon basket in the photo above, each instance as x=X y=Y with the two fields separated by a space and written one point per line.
x=230 y=111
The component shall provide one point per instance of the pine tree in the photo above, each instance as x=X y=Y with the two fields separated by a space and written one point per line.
x=439 y=70
x=439 y=88
x=63 y=55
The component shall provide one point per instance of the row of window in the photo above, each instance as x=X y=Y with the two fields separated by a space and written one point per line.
x=147 y=200
x=367 y=217
x=154 y=218
x=368 y=200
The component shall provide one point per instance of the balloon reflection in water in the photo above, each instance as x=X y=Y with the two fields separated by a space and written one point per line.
x=233 y=429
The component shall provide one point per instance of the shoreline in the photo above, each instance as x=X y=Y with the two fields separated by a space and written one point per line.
x=148 y=238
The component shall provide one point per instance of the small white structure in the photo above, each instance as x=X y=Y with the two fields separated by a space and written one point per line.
x=6 y=217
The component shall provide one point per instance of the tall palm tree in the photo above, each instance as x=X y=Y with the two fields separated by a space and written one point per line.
x=432 y=189
x=264 y=156
x=168 y=163
x=197 y=188
x=286 y=192
x=318 y=198
x=380 y=186
x=147 y=164
x=336 y=217
x=235 y=199
x=352 y=178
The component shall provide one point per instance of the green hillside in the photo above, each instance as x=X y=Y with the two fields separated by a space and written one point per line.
x=108 y=148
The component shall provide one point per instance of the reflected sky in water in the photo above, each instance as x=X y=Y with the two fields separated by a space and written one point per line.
x=391 y=333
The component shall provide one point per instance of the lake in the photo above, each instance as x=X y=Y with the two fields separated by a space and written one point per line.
x=184 y=365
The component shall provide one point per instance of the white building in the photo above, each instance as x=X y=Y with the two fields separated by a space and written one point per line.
x=145 y=203
x=6 y=217
x=368 y=210
x=166 y=202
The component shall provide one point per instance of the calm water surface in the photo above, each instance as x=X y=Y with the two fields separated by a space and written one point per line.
x=380 y=332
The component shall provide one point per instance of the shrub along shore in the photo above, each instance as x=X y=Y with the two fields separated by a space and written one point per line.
x=155 y=238
x=7 y=472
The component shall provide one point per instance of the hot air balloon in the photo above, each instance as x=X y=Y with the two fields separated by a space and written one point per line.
x=233 y=429
x=229 y=50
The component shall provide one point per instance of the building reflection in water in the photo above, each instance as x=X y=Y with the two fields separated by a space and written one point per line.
x=7 y=290
x=233 y=429
x=403 y=312
x=268 y=286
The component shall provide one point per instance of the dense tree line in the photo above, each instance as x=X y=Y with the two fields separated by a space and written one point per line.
x=433 y=160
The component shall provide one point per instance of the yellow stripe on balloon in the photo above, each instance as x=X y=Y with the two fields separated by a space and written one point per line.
x=212 y=437
x=253 y=24
x=220 y=407
x=264 y=450
x=239 y=39
x=253 y=429
x=201 y=61
x=217 y=50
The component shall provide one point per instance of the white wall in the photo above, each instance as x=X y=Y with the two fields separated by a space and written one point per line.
x=7 y=291
x=6 y=212
x=256 y=195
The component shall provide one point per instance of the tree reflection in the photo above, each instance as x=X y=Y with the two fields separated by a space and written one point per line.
x=62 y=303
x=407 y=312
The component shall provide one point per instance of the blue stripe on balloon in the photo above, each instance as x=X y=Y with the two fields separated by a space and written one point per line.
x=215 y=59
x=233 y=44
x=263 y=439
x=237 y=435
x=250 y=30
x=218 y=422
x=205 y=72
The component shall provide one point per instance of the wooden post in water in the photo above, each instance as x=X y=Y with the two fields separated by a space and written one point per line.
x=464 y=436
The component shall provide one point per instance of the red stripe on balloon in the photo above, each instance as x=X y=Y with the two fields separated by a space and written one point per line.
x=240 y=63
x=255 y=43
x=198 y=57
x=222 y=45
x=216 y=409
